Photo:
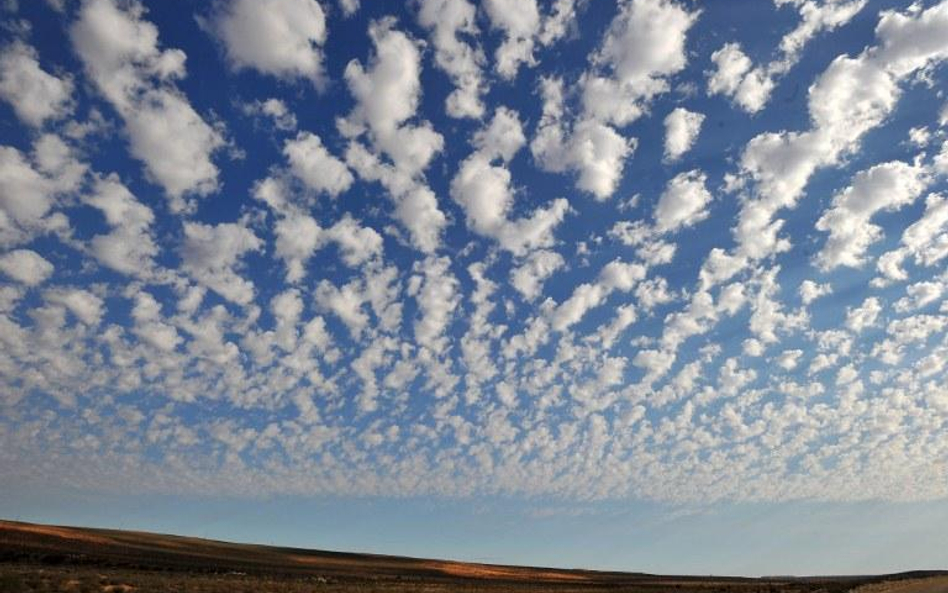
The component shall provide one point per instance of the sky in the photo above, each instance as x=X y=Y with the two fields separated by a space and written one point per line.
x=649 y=285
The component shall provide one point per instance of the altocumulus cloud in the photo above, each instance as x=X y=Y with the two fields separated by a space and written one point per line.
x=462 y=249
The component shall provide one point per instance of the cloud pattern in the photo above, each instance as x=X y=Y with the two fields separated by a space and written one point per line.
x=517 y=248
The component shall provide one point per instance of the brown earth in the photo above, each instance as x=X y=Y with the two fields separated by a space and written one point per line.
x=937 y=584
x=54 y=558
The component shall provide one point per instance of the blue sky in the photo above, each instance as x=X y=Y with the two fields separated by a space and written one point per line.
x=642 y=279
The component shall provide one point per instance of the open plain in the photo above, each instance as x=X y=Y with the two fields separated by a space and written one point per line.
x=54 y=558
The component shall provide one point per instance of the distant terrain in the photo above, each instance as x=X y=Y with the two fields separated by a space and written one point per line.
x=53 y=558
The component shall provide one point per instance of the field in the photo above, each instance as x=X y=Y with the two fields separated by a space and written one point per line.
x=49 y=558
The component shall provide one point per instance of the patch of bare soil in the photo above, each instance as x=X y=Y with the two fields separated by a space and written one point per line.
x=938 y=584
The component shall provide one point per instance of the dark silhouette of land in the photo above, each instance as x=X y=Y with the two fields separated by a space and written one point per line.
x=53 y=558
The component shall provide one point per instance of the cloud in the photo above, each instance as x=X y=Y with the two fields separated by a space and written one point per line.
x=275 y=109
x=884 y=187
x=925 y=241
x=616 y=275
x=26 y=266
x=483 y=190
x=850 y=98
x=387 y=96
x=590 y=147
x=524 y=27
x=349 y=7
x=644 y=45
x=346 y=303
x=446 y=19
x=528 y=277
x=312 y=164
x=211 y=253
x=863 y=316
x=35 y=95
x=520 y=22
x=150 y=326
x=735 y=75
x=921 y=294
x=299 y=235
x=683 y=203
x=297 y=239
x=681 y=130
x=31 y=187
x=121 y=56
x=280 y=38
x=810 y=291
x=391 y=308
x=129 y=247
x=87 y=307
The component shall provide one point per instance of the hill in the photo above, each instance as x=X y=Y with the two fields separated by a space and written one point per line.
x=50 y=558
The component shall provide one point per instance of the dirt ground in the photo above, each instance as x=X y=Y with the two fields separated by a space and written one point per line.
x=30 y=578
x=929 y=585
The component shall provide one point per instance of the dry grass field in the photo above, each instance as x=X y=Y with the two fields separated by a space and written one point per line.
x=35 y=558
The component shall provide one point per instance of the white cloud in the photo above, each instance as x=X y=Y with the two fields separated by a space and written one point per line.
x=851 y=97
x=520 y=22
x=274 y=109
x=810 y=291
x=485 y=194
x=312 y=164
x=483 y=190
x=210 y=254
x=653 y=292
x=863 y=316
x=732 y=64
x=345 y=303
x=446 y=19
x=35 y=95
x=299 y=235
x=357 y=244
x=281 y=38
x=643 y=47
x=596 y=151
x=129 y=247
x=884 y=187
x=502 y=138
x=87 y=307
x=645 y=44
x=750 y=87
x=616 y=275
x=150 y=326
x=528 y=277
x=925 y=241
x=387 y=96
x=921 y=294
x=788 y=359
x=26 y=266
x=31 y=188
x=121 y=55
x=681 y=130
x=297 y=238
x=534 y=379
x=436 y=291
x=349 y=7
x=768 y=316
x=683 y=203
x=524 y=27
x=917 y=328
